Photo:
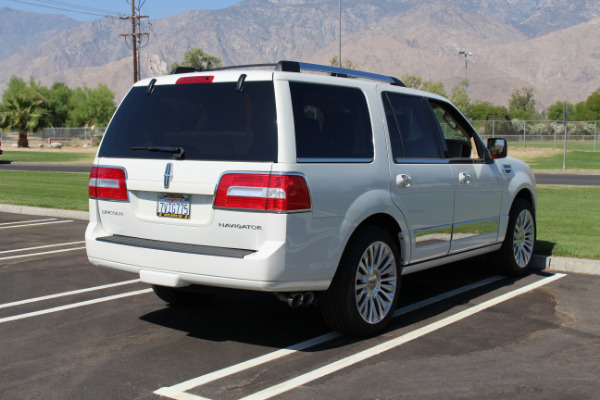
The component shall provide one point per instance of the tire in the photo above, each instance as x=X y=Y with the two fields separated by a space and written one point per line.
x=364 y=292
x=185 y=297
x=515 y=257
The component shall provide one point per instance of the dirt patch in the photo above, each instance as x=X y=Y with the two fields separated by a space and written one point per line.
x=528 y=154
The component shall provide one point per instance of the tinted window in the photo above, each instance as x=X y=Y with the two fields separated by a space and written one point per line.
x=332 y=124
x=411 y=135
x=210 y=121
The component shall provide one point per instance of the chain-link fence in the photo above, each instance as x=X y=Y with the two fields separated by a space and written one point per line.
x=47 y=137
x=580 y=135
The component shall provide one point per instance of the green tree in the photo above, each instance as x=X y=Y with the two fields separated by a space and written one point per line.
x=486 y=111
x=426 y=85
x=22 y=109
x=460 y=98
x=347 y=63
x=556 y=111
x=592 y=108
x=522 y=104
x=198 y=59
x=91 y=106
x=59 y=103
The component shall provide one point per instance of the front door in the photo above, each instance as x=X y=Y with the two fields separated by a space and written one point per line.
x=477 y=182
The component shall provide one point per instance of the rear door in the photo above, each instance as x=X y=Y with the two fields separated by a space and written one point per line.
x=422 y=185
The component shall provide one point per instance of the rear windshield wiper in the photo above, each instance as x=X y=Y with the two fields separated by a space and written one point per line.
x=178 y=152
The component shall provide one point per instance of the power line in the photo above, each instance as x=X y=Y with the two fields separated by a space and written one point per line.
x=62 y=6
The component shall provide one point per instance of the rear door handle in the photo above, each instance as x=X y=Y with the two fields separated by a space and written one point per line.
x=403 y=181
x=464 y=178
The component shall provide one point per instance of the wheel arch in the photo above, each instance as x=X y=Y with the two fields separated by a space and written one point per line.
x=387 y=222
x=527 y=195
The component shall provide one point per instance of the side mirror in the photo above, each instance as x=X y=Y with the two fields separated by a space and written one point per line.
x=497 y=147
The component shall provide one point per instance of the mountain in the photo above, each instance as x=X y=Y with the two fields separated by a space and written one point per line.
x=21 y=31
x=545 y=44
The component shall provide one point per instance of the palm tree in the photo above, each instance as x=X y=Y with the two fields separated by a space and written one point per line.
x=23 y=114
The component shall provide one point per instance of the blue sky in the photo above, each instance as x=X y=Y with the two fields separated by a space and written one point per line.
x=90 y=10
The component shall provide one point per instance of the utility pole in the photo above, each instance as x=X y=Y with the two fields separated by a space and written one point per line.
x=340 y=42
x=135 y=37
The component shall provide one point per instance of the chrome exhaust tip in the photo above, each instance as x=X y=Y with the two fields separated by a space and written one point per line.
x=295 y=300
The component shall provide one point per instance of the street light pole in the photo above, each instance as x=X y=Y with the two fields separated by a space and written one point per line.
x=466 y=54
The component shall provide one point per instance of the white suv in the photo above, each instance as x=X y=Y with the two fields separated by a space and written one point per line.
x=311 y=186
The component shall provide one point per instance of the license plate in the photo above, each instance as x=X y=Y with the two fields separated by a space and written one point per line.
x=174 y=206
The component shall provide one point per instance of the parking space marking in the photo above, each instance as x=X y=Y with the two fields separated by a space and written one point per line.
x=179 y=390
x=46 y=246
x=64 y=294
x=29 y=221
x=36 y=224
x=398 y=341
x=74 y=305
x=40 y=254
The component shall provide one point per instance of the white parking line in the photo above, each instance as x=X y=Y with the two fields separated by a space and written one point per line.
x=36 y=224
x=71 y=293
x=178 y=391
x=46 y=246
x=74 y=305
x=27 y=222
x=391 y=344
x=40 y=254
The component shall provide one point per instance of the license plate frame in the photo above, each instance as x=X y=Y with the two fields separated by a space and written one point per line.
x=170 y=205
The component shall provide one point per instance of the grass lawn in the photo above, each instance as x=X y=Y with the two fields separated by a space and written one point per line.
x=569 y=221
x=586 y=145
x=47 y=156
x=576 y=160
x=45 y=189
x=568 y=216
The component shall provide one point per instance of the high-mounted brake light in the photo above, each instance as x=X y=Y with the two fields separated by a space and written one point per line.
x=108 y=183
x=266 y=192
x=194 y=79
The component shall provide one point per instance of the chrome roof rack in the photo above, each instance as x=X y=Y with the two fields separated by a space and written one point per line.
x=294 y=66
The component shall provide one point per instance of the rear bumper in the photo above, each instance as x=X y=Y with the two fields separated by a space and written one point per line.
x=156 y=263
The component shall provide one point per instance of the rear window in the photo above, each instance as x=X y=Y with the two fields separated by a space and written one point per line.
x=332 y=124
x=209 y=121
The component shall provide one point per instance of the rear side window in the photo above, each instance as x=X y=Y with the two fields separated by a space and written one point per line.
x=210 y=121
x=332 y=124
x=411 y=134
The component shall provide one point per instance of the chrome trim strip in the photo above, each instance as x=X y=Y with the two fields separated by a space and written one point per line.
x=475 y=228
x=431 y=236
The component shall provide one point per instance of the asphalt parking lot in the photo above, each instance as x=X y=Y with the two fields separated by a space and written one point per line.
x=69 y=330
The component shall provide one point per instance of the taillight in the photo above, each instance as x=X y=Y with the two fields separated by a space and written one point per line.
x=186 y=80
x=108 y=183
x=266 y=192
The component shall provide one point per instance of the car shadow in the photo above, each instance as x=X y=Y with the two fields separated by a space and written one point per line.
x=261 y=319
x=544 y=248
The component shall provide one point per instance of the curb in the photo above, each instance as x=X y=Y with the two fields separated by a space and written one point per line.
x=540 y=262
x=567 y=264
x=47 y=212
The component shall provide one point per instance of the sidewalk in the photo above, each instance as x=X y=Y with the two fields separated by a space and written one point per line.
x=550 y=263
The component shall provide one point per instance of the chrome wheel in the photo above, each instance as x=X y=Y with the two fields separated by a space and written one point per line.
x=376 y=280
x=524 y=238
